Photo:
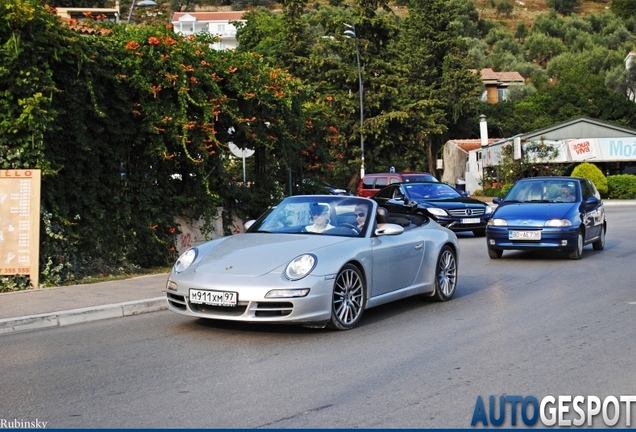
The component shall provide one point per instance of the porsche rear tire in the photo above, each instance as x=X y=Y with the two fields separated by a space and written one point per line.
x=446 y=274
x=348 y=299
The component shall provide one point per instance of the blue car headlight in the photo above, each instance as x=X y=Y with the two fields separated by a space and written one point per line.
x=185 y=260
x=301 y=266
x=498 y=222
x=558 y=223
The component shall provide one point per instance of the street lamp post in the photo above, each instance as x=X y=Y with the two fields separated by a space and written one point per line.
x=352 y=34
x=142 y=3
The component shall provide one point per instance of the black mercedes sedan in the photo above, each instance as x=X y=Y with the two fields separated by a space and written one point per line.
x=439 y=201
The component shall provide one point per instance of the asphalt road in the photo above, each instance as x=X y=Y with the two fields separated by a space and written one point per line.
x=527 y=324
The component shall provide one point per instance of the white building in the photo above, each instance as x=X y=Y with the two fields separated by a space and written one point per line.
x=220 y=24
x=609 y=146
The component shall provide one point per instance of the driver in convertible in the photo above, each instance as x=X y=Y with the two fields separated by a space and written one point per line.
x=320 y=216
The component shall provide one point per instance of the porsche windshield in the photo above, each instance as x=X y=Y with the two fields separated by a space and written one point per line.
x=317 y=214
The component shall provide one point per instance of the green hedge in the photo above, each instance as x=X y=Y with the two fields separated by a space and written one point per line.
x=622 y=186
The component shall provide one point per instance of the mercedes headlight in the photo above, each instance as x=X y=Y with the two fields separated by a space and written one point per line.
x=437 y=211
x=300 y=266
x=185 y=260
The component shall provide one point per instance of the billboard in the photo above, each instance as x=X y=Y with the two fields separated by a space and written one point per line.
x=20 y=223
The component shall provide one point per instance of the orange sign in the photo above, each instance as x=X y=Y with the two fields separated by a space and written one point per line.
x=20 y=223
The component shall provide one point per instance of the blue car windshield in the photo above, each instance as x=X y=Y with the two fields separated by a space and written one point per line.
x=545 y=191
x=317 y=214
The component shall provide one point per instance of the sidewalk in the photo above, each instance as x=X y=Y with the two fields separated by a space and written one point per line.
x=73 y=304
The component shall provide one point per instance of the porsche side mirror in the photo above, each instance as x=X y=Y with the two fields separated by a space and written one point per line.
x=248 y=224
x=389 y=229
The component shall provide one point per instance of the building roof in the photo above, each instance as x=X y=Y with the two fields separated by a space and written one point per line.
x=471 y=144
x=210 y=16
x=505 y=78
x=580 y=127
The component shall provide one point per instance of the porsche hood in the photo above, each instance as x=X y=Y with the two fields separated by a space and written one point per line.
x=255 y=254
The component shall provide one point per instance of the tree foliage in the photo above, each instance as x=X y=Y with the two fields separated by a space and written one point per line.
x=130 y=127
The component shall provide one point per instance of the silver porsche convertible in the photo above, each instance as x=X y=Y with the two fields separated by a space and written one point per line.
x=316 y=261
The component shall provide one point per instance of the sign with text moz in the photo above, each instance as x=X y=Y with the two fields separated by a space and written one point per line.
x=20 y=223
x=602 y=149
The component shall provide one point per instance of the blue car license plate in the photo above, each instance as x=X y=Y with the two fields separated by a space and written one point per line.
x=524 y=235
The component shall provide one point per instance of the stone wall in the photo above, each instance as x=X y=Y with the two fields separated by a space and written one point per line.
x=192 y=232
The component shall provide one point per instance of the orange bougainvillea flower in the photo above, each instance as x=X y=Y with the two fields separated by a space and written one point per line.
x=156 y=89
x=172 y=230
x=88 y=14
x=169 y=26
x=193 y=80
x=232 y=69
x=171 y=77
x=169 y=41
x=154 y=41
x=132 y=45
x=329 y=98
x=333 y=129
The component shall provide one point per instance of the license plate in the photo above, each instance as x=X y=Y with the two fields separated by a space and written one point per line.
x=468 y=221
x=213 y=298
x=524 y=235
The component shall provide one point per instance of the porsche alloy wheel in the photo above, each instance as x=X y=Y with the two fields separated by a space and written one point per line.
x=348 y=298
x=446 y=274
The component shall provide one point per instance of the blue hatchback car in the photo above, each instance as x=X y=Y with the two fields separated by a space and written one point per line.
x=554 y=213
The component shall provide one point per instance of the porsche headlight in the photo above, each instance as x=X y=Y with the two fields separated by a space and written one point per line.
x=437 y=211
x=185 y=260
x=498 y=222
x=300 y=266
x=558 y=223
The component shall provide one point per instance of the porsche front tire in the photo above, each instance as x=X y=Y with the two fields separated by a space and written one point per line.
x=348 y=299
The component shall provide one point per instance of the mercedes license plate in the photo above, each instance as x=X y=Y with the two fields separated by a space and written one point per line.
x=468 y=221
x=213 y=298
x=524 y=235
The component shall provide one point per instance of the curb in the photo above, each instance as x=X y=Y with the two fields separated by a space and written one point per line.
x=76 y=316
